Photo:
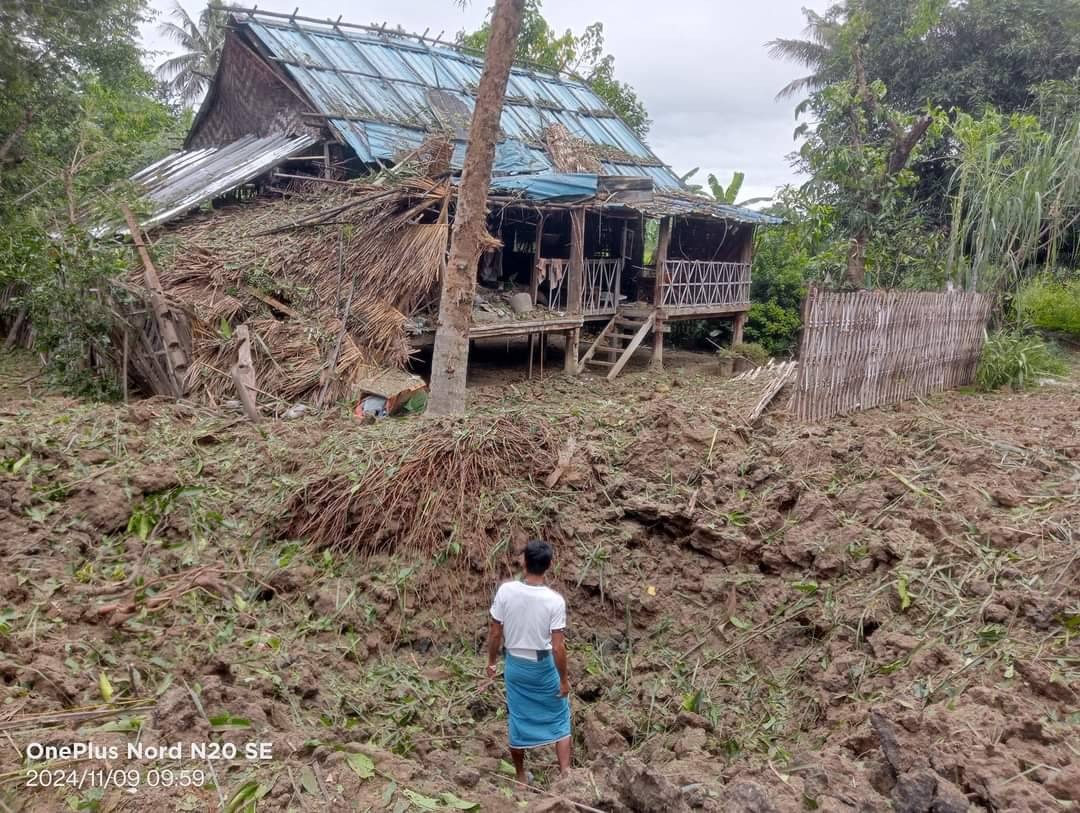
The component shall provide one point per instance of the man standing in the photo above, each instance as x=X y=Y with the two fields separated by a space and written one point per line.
x=528 y=624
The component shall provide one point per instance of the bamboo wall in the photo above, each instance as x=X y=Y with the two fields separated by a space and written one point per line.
x=863 y=349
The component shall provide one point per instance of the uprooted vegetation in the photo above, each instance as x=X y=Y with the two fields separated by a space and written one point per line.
x=882 y=609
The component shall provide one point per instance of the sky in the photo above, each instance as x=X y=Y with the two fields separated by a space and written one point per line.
x=700 y=66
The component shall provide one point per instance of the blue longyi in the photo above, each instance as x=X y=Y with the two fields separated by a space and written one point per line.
x=537 y=714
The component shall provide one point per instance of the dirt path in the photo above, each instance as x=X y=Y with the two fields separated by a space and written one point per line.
x=879 y=611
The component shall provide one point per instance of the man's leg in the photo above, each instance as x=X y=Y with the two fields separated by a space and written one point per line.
x=562 y=751
x=518 y=755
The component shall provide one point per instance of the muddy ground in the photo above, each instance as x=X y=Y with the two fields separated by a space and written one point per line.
x=882 y=612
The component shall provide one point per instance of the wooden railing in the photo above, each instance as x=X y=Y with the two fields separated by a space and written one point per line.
x=701 y=284
x=603 y=281
x=554 y=272
x=600 y=289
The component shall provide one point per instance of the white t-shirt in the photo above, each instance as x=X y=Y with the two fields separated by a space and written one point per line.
x=529 y=613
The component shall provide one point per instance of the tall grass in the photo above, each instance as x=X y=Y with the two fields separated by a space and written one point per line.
x=1018 y=360
x=1016 y=194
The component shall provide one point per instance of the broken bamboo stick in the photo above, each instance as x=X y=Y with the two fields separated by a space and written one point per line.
x=174 y=351
x=243 y=374
x=785 y=374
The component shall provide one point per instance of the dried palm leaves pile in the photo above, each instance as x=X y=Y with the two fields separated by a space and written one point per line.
x=291 y=268
x=429 y=489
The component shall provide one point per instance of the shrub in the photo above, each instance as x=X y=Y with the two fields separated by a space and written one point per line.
x=772 y=326
x=753 y=353
x=1016 y=359
x=1051 y=305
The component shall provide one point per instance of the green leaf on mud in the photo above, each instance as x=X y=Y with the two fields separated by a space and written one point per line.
x=361 y=765
x=421 y=801
x=902 y=591
x=140 y=525
x=105 y=687
x=243 y=801
x=225 y=329
x=738 y=622
x=6 y=617
x=388 y=793
x=806 y=587
x=18 y=464
x=228 y=721
x=452 y=801
x=506 y=768
x=691 y=701
x=123 y=724
x=308 y=781
x=418 y=403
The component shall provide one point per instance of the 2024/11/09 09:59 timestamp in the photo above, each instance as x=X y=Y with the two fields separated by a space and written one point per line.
x=130 y=778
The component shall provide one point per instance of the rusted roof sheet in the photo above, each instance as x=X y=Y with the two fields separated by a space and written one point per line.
x=383 y=92
x=182 y=181
x=686 y=204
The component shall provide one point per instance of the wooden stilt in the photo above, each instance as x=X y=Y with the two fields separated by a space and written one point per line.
x=737 y=328
x=658 y=346
x=570 y=362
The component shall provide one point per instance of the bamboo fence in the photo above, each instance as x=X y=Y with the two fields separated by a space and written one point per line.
x=863 y=349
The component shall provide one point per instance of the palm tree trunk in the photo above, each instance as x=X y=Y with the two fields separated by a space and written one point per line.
x=450 y=361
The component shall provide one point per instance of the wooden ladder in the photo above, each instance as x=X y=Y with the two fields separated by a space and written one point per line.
x=639 y=326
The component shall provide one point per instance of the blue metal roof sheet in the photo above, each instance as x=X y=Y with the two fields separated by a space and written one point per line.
x=377 y=91
x=550 y=186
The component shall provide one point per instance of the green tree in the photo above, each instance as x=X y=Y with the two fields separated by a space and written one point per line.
x=786 y=259
x=49 y=53
x=858 y=156
x=188 y=74
x=582 y=55
x=967 y=54
x=79 y=112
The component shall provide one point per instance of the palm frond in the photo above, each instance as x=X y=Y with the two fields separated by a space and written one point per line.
x=811 y=54
x=805 y=84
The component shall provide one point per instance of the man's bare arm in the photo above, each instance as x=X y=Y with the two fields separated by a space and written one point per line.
x=558 y=650
x=494 y=646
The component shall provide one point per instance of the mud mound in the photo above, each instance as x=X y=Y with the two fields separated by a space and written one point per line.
x=879 y=611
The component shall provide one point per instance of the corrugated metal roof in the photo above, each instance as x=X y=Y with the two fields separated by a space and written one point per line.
x=182 y=181
x=550 y=186
x=685 y=203
x=384 y=92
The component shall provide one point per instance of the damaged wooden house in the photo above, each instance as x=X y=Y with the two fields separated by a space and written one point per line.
x=312 y=201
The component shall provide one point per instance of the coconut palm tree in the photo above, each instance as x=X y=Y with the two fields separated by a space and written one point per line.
x=188 y=74
x=821 y=51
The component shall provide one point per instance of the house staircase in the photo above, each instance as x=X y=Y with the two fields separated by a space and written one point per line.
x=630 y=324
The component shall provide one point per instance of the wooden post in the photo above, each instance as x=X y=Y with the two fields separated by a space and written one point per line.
x=571 y=344
x=663 y=241
x=748 y=256
x=174 y=351
x=737 y=328
x=657 y=362
x=534 y=277
x=575 y=271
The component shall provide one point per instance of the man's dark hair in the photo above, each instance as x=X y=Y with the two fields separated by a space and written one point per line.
x=538 y=555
